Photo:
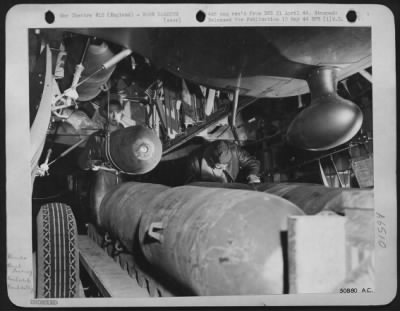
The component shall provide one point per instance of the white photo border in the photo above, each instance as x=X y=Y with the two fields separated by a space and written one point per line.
x=20 y=18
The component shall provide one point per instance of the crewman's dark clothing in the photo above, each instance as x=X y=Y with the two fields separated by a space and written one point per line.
x=200 y=168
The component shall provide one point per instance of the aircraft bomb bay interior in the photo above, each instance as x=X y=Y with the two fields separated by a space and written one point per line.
x=197 y=161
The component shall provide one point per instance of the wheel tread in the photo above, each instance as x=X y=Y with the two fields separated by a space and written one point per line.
x=58 y=261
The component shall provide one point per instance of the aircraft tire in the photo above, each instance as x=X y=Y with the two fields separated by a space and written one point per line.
x=57 y=252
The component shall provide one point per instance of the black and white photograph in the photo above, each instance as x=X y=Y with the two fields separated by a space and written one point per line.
x=234 y=157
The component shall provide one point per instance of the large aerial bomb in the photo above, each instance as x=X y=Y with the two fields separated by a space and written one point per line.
x=213 y=184
x=310 y=198
x=93 y=57
x=121 y=210
x=102 y=183
x=314 y=198
x=217 y=241
x=330 y=120
x=134 y=150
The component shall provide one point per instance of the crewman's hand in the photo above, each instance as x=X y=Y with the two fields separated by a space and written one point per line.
x=94 y=165
x=253 y=179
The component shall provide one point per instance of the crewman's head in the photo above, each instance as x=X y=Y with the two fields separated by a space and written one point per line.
x=114 y=112
x=218 y=154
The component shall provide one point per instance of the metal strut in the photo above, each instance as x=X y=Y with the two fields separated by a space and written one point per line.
x=235 y=105
x=44 y=167
x=336 y=171
x=234 y=113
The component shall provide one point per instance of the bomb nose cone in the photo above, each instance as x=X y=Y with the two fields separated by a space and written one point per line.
x=329 y=121
x=135 y=149
x=325 y=125
x=143 y=150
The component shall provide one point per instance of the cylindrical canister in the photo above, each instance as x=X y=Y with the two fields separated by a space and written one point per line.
x=121 y=210
x=217 y=241
x=135 y=149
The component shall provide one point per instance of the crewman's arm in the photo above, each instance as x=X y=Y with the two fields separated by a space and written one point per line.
x=192 y=169
x=249 y=164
